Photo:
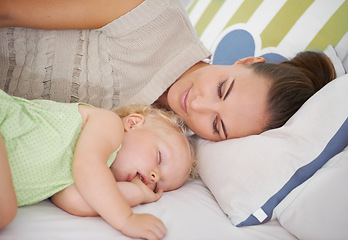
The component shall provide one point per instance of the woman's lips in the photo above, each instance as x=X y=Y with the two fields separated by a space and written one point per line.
x=183 y=100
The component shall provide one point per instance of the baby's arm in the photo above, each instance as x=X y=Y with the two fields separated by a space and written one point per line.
x=101 y=135
x=8 y=200
x=63 y=14
x=135 y=193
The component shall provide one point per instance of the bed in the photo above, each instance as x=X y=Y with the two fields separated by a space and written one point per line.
x=189 y=213
x=249 y=187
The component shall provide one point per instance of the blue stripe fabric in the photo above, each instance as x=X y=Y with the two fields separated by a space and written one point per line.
x=337 y=143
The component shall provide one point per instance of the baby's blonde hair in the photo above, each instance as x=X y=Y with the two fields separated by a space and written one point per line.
x=169 y=118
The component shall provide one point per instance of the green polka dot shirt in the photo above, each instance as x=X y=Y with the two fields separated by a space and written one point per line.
x=40 y=138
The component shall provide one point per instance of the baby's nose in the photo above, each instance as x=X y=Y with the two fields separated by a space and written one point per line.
x=154 y=176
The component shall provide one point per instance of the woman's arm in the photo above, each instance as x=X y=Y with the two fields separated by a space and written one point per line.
x=101 y=135
x=63 y=14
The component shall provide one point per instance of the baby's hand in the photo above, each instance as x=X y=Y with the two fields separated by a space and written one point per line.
x=144 y=226
x=148 y=195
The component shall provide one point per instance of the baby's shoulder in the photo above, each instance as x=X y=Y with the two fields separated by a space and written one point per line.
x=102 y=122
x=89 y=112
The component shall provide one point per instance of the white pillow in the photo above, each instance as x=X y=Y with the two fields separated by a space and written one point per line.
x=318 y=208
x=331 y=52
x=250 y=176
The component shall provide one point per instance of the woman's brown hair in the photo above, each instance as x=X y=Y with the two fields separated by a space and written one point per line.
x=293 y=83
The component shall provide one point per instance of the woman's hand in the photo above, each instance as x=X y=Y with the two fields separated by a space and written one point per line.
x=147 y=194
x=144 y=226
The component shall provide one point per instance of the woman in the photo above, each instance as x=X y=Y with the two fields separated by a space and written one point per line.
x=140 y=52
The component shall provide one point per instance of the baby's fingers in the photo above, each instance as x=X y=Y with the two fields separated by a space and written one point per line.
x=152 y=196
x=158 y=194
x=159 y=231
x=144 y=226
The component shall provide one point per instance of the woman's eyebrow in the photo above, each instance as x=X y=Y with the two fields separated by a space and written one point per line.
x=229 y=89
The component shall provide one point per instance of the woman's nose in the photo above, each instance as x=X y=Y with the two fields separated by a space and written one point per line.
x=154 y=176
x=201 y=104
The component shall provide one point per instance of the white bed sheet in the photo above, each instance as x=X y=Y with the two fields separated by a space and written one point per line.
x=190 y=212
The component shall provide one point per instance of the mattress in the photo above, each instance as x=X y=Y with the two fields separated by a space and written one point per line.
x=190 y=212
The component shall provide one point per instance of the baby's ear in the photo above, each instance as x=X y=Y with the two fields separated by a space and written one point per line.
x=250 y=60
x=133 y=121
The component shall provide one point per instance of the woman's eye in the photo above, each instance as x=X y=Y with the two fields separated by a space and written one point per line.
x=215 y=130
x=219 y=89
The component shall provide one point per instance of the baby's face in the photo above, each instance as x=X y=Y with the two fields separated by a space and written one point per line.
x=159 y=155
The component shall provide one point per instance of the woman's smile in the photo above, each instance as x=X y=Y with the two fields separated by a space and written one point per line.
x=183 y=100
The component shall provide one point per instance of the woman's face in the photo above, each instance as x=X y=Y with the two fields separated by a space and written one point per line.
x=221 y=102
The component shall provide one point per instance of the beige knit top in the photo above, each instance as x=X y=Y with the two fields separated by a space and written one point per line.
x=133 y=59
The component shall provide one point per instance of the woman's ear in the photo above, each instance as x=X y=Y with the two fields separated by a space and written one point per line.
x=250 y=60
x=132 y=121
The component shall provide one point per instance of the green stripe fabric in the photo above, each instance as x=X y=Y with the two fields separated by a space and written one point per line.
x=245 y=11
x=333 y=31
x=208 y=15
x=287 y=16
x=280 y=28
x=192 y=6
